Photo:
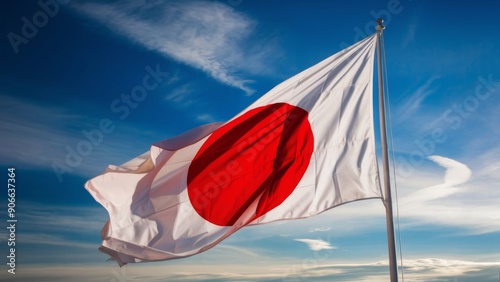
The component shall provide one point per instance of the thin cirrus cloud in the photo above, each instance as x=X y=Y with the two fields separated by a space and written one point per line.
x=316 y=244
x=37 y=135
x=71 y=234
x=181 y=95
x=38 y=131
x=412 y=104
x=205 y=35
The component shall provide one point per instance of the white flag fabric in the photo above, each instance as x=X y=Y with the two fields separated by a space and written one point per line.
x=304 y=147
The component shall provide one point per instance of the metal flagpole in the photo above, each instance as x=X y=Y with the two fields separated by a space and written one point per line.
x=385 y=160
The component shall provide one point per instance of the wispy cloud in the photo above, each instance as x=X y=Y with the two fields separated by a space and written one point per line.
x=41 y=220
x=205 y=35
x=234 y=249
x=412 y=104
x=320 y=229
x=205 y=118
x=410 y=35
x=316 y=244
x=181 y=95
x=433 y=269
x=32 y=131
x=63 y=219
x=52 y=240
x=460 y=200
x=37 y=134
x=456 y=173
x=58 y=234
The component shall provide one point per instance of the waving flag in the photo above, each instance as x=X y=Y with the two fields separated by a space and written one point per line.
x=304 y=147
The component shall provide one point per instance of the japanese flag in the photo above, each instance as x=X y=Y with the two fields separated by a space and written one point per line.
x=304 y=147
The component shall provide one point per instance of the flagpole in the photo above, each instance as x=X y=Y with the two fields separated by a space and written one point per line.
x=385 y=160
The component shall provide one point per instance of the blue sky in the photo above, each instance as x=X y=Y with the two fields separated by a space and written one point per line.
x=64 y=79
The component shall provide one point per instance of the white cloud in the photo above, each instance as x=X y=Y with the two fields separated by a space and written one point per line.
x=421 y=269
x=456 y=173
x=205 y=35
x=316 y=244
x=461 y=200
x=320 y=229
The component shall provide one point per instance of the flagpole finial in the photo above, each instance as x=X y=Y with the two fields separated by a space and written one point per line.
x=380 y=25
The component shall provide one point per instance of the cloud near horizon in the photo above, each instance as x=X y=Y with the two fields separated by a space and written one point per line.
x=422 y=269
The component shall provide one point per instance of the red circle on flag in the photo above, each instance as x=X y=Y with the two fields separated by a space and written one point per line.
x=258 y=157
